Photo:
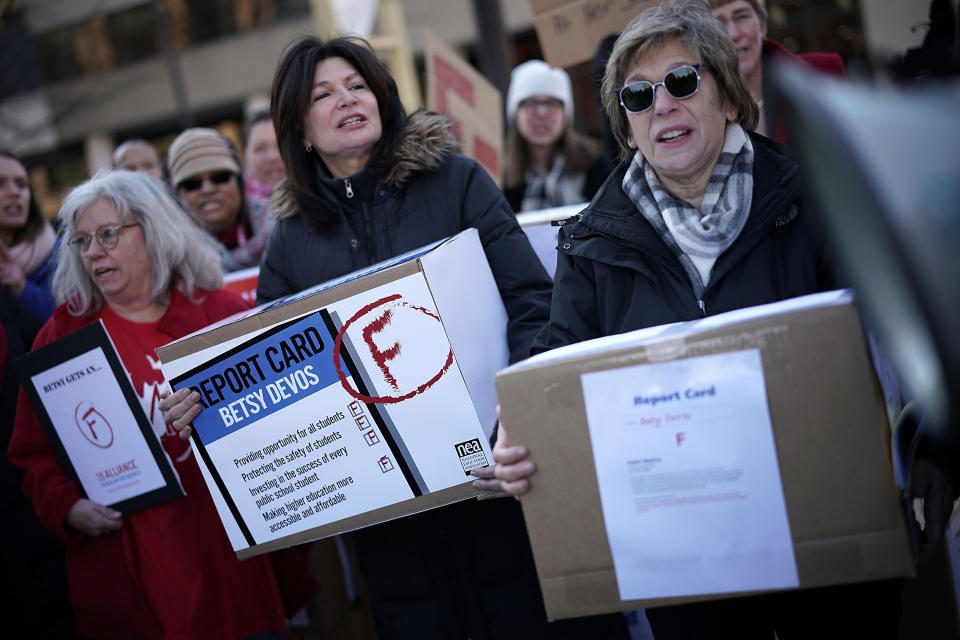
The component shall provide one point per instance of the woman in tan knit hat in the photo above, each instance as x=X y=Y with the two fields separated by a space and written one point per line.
x=203 y=167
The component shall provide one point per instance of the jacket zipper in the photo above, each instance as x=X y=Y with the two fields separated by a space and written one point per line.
x=703 y=307
x=348 y=187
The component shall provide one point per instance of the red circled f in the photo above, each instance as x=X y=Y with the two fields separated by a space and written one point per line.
x=384 y=356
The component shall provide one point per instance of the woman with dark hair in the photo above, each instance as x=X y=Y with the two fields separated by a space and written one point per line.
x=203 y=167
x=547 y=162
x=365 y=183
x=28 y=243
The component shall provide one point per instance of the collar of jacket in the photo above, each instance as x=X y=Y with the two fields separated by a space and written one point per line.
x=426 y=141
x=613 y=216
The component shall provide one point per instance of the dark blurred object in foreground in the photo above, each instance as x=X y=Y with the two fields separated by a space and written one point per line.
x=883 y=169
x=939 y=54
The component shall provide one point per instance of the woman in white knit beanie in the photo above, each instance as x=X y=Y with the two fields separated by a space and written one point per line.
x=547 y=163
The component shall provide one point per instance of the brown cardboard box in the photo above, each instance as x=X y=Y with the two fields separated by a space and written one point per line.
x=830 y=430
x=570 y=30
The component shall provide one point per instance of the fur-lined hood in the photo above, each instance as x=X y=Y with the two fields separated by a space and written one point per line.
x=427 y=139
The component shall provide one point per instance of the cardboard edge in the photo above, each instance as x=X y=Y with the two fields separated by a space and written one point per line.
x=261 y=321
x=423 y=503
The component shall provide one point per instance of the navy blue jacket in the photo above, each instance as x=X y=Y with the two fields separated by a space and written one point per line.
x=614 y=274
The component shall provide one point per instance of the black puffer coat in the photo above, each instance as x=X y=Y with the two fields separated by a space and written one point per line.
x=464 y=570
x=430 y=194
x=614 y=274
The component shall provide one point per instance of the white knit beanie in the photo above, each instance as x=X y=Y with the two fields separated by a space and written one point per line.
x=536 y=77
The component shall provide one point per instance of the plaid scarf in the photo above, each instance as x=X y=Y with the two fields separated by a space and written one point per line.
x=695 y=236
x=554 y=189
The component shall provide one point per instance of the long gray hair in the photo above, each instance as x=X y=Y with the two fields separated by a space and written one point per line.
x=692 y=23
x=181 y=253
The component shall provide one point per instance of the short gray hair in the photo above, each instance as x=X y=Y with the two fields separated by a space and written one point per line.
x=181 y=253
x=692 y=23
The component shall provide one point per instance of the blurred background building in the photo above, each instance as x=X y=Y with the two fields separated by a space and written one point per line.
x=77 y=77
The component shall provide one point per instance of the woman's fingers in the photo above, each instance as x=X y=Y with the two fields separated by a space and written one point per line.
x=516 y=471
x=179 y=409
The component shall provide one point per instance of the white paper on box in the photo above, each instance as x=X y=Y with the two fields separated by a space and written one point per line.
x=679 y=444
x=116 y=463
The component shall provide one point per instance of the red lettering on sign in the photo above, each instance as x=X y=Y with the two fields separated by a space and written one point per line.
x=87 y=417
x=485 y=155
x=449 y=79
x=381 y=357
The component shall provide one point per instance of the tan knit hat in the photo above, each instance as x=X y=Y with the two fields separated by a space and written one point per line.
x=198 y=150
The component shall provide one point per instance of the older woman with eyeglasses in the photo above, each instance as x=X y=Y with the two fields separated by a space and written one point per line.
x=701 y=217
x=138 y=263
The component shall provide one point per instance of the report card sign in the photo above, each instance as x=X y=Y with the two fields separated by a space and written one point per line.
x=353 y=408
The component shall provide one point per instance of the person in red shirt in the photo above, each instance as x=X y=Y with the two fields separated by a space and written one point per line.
x=135 y=260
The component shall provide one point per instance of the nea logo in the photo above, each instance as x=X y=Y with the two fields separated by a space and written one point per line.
x=471 y=455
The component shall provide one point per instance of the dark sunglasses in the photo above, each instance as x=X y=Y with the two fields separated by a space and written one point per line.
x=680 y=83
x=192 y=184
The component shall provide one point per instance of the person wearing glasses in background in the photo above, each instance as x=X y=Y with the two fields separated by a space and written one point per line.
x=136 y=261
x=702 y=216
x=746 y=24
x=547 y=163
x=203 y=167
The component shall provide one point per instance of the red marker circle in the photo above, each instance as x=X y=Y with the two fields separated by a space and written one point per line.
x=390 y=300
x=93 y=425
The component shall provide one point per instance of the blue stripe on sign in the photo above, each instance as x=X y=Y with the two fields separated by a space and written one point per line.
x=262 y=376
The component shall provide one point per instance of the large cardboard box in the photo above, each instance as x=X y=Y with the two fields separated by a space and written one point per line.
x=570 y=30
x=361 y=400
x=829 y=432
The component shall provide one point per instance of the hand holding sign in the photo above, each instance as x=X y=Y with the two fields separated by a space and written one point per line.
x=179 y=410
x=93 y=519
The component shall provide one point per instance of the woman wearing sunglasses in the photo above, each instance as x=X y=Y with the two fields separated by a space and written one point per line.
x=137 y=262
x=204 y=169
x=702 y=217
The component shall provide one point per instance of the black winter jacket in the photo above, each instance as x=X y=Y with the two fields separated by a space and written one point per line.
x=614 y=274
x=464 y=570
x=430 y=194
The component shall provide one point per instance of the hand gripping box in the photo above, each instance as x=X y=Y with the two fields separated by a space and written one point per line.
x=740 y=453
x=357 y=401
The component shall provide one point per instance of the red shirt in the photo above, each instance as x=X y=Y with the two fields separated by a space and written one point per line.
x=170 y=571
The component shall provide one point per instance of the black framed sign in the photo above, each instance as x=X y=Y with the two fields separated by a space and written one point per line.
x=96 y=425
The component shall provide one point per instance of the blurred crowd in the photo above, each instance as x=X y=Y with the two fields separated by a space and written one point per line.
x=691 y=207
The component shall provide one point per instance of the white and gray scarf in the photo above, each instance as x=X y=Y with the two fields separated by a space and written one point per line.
x=698 y=236
x=554 y=189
